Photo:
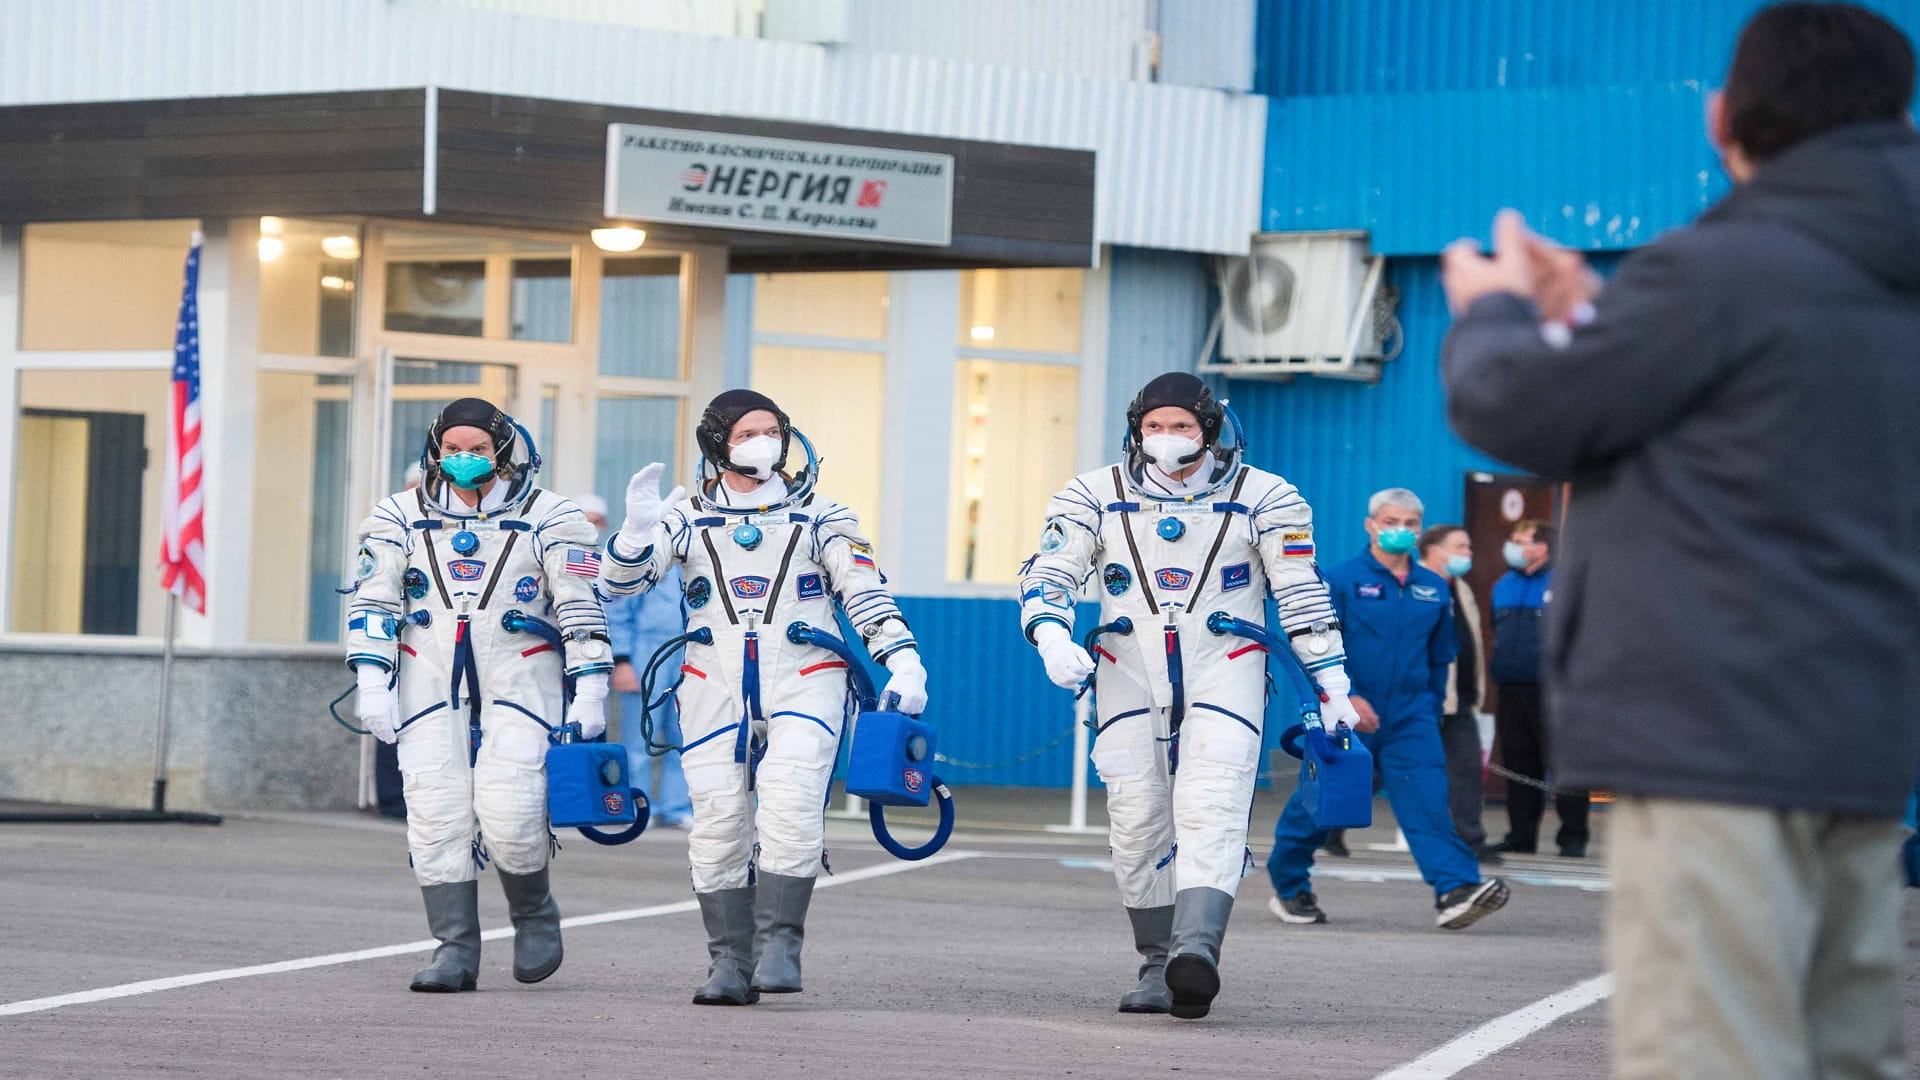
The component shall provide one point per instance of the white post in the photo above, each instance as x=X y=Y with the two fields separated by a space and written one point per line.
x=166 y=707
x=1082 y=740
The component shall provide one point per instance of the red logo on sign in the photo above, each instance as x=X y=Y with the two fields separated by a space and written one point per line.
x=914 y=779
x=871 y=192
x=614 y=802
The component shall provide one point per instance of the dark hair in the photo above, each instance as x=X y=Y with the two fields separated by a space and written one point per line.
x=1542 y=532
x=1801 y=69
x=1436 y=534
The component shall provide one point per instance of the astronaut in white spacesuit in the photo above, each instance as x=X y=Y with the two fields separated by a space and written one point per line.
x=1176 y=531
x=758 y=551
x=469 y=698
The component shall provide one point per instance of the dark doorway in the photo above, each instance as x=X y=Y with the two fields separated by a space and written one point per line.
x=1495 y=502
x=116 y=465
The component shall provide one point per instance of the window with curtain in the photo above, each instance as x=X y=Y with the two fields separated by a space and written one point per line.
x=1014 y=430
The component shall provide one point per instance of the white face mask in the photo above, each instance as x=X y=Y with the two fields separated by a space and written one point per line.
x=1167 y=451
x=756 y=456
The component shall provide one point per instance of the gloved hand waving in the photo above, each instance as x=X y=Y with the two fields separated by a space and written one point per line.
x=645 y=508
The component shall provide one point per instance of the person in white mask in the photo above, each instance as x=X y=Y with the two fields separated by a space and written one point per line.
x=760 y=716
x=1178 y=530
x=468 y=693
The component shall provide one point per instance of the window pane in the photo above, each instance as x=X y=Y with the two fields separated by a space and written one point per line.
x=828 y=305
x=837 y=399
x=1027 y=310
x=299 y=508
x=542 y=300
x=631 y=432
x=1014 y=429
x=103 y=285
x=308 y=273
x=421 y=388
x=640 y=317
x=437 y=297
x=87 y=502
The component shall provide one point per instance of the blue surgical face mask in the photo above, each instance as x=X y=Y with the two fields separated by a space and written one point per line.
x=466 y=470
x=1459 y=565
x=1396 y=541
x=1515 y=553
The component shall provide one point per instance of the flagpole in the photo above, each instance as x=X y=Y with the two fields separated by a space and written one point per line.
x=166 y=708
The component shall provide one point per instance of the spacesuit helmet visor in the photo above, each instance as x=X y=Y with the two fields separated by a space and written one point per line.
x=715 y=431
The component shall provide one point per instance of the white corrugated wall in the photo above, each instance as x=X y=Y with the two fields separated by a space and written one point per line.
x=1179 y=167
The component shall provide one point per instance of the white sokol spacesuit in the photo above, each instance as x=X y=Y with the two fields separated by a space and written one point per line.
x=1179 y=709
x=469 y=693
x=753 y=563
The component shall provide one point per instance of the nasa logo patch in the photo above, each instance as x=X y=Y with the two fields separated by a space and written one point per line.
x=1172 y=578
x=809 y=587
x=1370 y=591
x=750 y=587
x=527 y=589
x=466 y=569
x=1117 y=579
x=1237 y=576
x=699 y=591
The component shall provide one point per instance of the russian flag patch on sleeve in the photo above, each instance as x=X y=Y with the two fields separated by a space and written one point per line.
x=1296 y=545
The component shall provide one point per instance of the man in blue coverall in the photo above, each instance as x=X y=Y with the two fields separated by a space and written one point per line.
x=637 y=626
x=1397 y=620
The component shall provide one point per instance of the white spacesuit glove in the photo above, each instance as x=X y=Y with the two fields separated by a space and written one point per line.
x=909 y=681
x=645 y=507
x=377 y=703
x=1336 y=710
x=589 y=708
x=1068 y=665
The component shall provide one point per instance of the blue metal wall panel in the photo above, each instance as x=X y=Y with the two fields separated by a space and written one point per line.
x=1339 y=442
x=1159 y=304
x=1422 y=46
x=1593 y=167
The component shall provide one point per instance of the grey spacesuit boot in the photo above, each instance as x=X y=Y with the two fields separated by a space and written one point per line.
x=780 y=927
x=453 y=914
x=1152 y=933
x=1193 y=974
x=728 y=914
x=536 y=925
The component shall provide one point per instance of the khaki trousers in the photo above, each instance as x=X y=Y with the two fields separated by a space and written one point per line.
x=1751 y=943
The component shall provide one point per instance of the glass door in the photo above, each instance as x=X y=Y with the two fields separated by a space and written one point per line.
x=421 y=388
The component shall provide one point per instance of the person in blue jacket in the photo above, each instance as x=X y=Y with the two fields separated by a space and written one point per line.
x=638 y=625
x=1520 y=600
x=1397 y=619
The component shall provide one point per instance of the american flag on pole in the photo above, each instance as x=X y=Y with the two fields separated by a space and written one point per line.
x=183 y=547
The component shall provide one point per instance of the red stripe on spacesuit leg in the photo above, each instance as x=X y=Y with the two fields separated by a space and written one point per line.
x=691 y=670
x=536 y=649
x=822 y=666
x=408 y=649
x=1111 y=659
x=1244 y=650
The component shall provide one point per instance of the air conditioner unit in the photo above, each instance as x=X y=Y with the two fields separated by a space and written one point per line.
x=1309 y=303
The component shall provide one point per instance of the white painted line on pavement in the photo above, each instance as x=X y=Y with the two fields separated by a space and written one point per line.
x=151 y=986
x=1496 y=1035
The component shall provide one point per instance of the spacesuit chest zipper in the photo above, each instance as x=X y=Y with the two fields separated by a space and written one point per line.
x=748 y=749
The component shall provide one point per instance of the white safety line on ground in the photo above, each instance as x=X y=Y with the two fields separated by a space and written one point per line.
x=1496 y=1035
x=1372 y=875
x=151 y=986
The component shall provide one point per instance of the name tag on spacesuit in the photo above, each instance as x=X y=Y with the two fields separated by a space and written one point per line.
x=1184 y=507
x=770 y=519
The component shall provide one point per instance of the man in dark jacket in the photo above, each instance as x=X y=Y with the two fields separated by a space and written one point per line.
x=1734 y=641
x=1520 y=716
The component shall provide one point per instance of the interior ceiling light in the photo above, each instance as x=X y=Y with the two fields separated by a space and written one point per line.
x=619 y=238
x=341 y=247
x=272 y=226
x=981 y=333
x=271 y=248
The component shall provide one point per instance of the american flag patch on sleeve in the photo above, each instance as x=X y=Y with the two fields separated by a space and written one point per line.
x=583 y=563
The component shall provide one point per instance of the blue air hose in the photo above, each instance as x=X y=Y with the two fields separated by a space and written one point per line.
x=802 y=634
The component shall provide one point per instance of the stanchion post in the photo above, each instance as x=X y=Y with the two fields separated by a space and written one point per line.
x=1082 y=741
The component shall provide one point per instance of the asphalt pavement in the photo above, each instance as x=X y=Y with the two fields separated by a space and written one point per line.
x=160 y=950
